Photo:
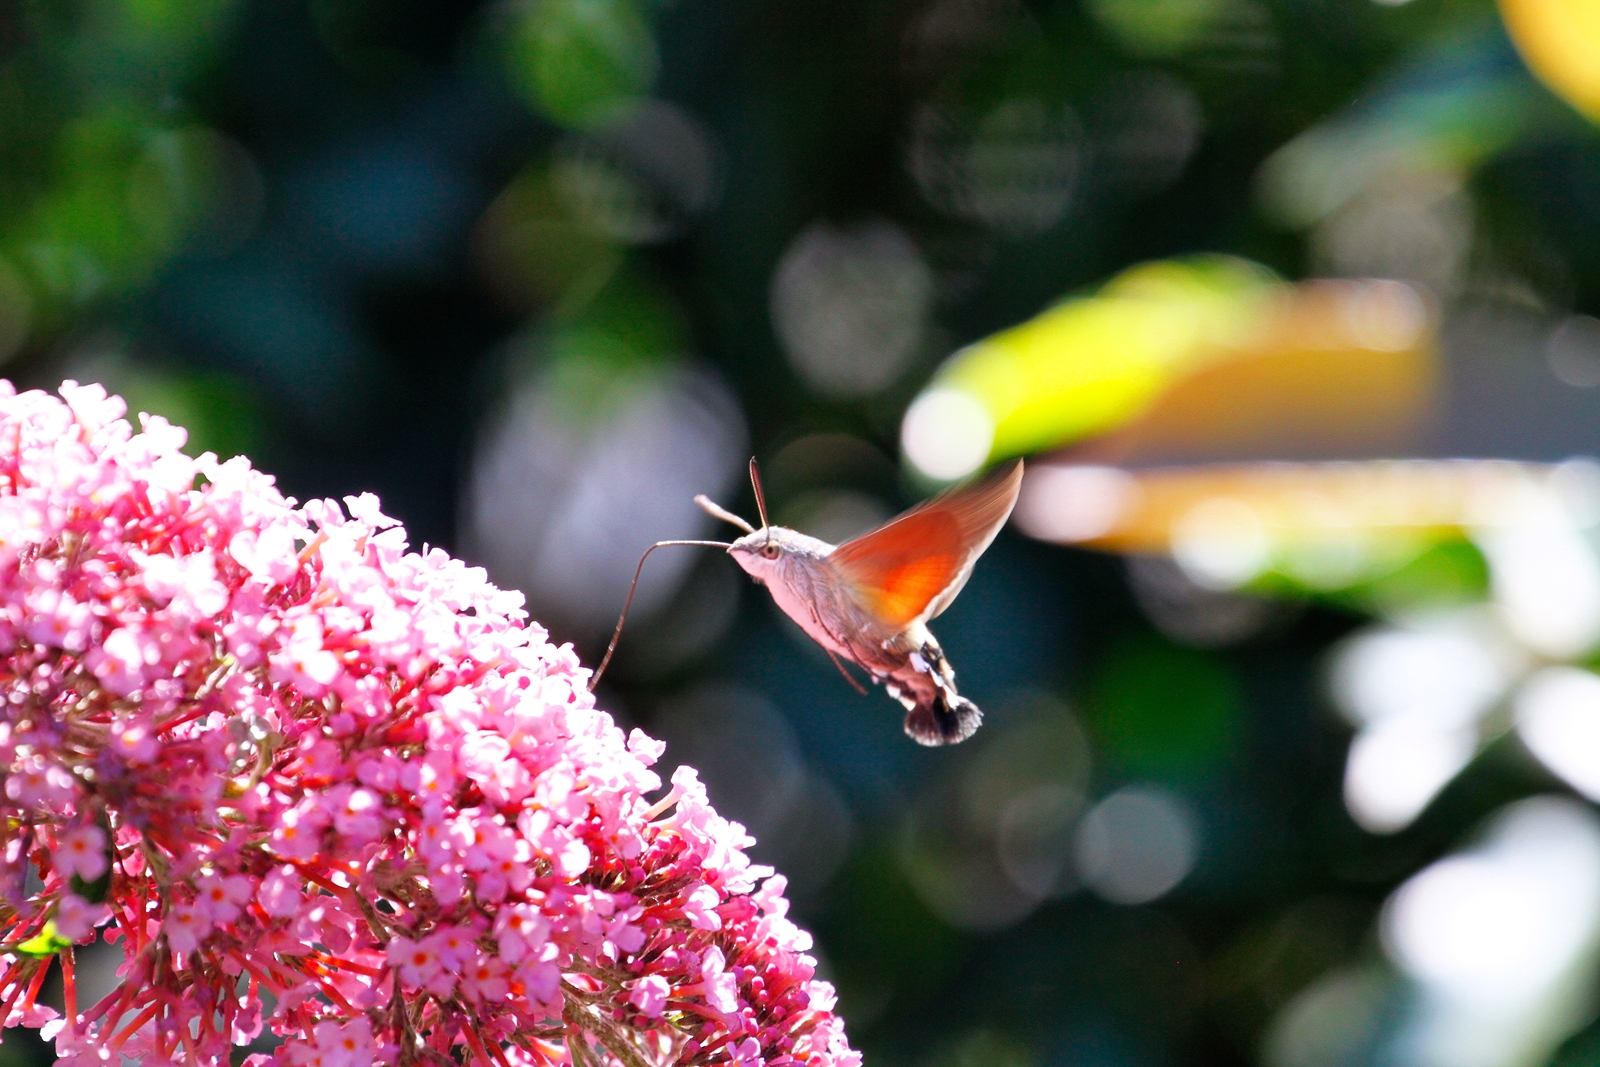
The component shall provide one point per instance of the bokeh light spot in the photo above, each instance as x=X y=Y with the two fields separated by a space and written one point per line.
x=1394 y=769
x=1073 y=503
x=1333 y=1022
x=1221 y=543
x=1544 y=576
x=589 y=464
x=583 y=62
x=1384 y=316
x=801 y=824
x=1149 y=123
x=1013 y=167
x=1559 y=39
x=1446 y=672
x=1412 y=225
x=1027 y=788
x=1194 y=615
x=1501 y=939
x=641 y=179
x=1572 y=351
x=850 y=305
x=947 y=433
x=1155 y=27
x=1136 y=845
x=1558 y=718
x=1493 y=927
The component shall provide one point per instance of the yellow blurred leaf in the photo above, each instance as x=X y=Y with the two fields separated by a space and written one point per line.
x=1186 y=359
x=1330 y=368
x=1560 y=42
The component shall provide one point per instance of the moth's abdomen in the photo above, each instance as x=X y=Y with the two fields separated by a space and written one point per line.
x=945 y=721
x=925 y=684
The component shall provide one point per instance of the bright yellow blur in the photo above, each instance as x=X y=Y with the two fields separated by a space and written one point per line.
x=1185 y=360
x=1560 y=41
x=1088 y=365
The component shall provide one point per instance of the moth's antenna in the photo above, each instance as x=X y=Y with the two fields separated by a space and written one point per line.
x=723 y=513
x=616 y=635
x=761 y=498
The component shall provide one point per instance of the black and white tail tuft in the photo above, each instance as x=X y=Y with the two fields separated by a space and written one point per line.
x=947 y=720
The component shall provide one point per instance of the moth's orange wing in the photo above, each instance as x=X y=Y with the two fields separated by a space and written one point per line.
x=910 y=569
x=898 y=570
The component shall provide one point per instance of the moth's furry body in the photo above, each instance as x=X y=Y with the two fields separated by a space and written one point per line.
x=907 y=662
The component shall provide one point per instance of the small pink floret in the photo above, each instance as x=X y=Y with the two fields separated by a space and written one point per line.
x=76 y=918
x=81 y=853
x=650 y=995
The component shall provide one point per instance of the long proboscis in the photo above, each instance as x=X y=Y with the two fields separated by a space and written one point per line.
x=616 y=635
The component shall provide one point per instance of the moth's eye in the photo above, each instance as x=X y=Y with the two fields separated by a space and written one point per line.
x=769 y=550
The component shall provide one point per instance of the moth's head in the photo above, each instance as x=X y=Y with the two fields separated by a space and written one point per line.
x=763 y=552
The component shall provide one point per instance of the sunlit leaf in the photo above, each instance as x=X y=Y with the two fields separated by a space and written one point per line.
x=1560 y=40
x=1081 y=367
x=1184 y=359
x=46 y=943
x=1324 y=369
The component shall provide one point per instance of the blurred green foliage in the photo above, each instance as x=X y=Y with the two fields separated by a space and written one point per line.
x=1163 y=712
x=582 y=61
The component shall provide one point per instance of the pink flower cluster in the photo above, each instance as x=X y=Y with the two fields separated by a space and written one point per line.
x=316 y=785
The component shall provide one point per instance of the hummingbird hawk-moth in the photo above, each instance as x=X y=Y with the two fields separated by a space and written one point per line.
x=869 y=600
